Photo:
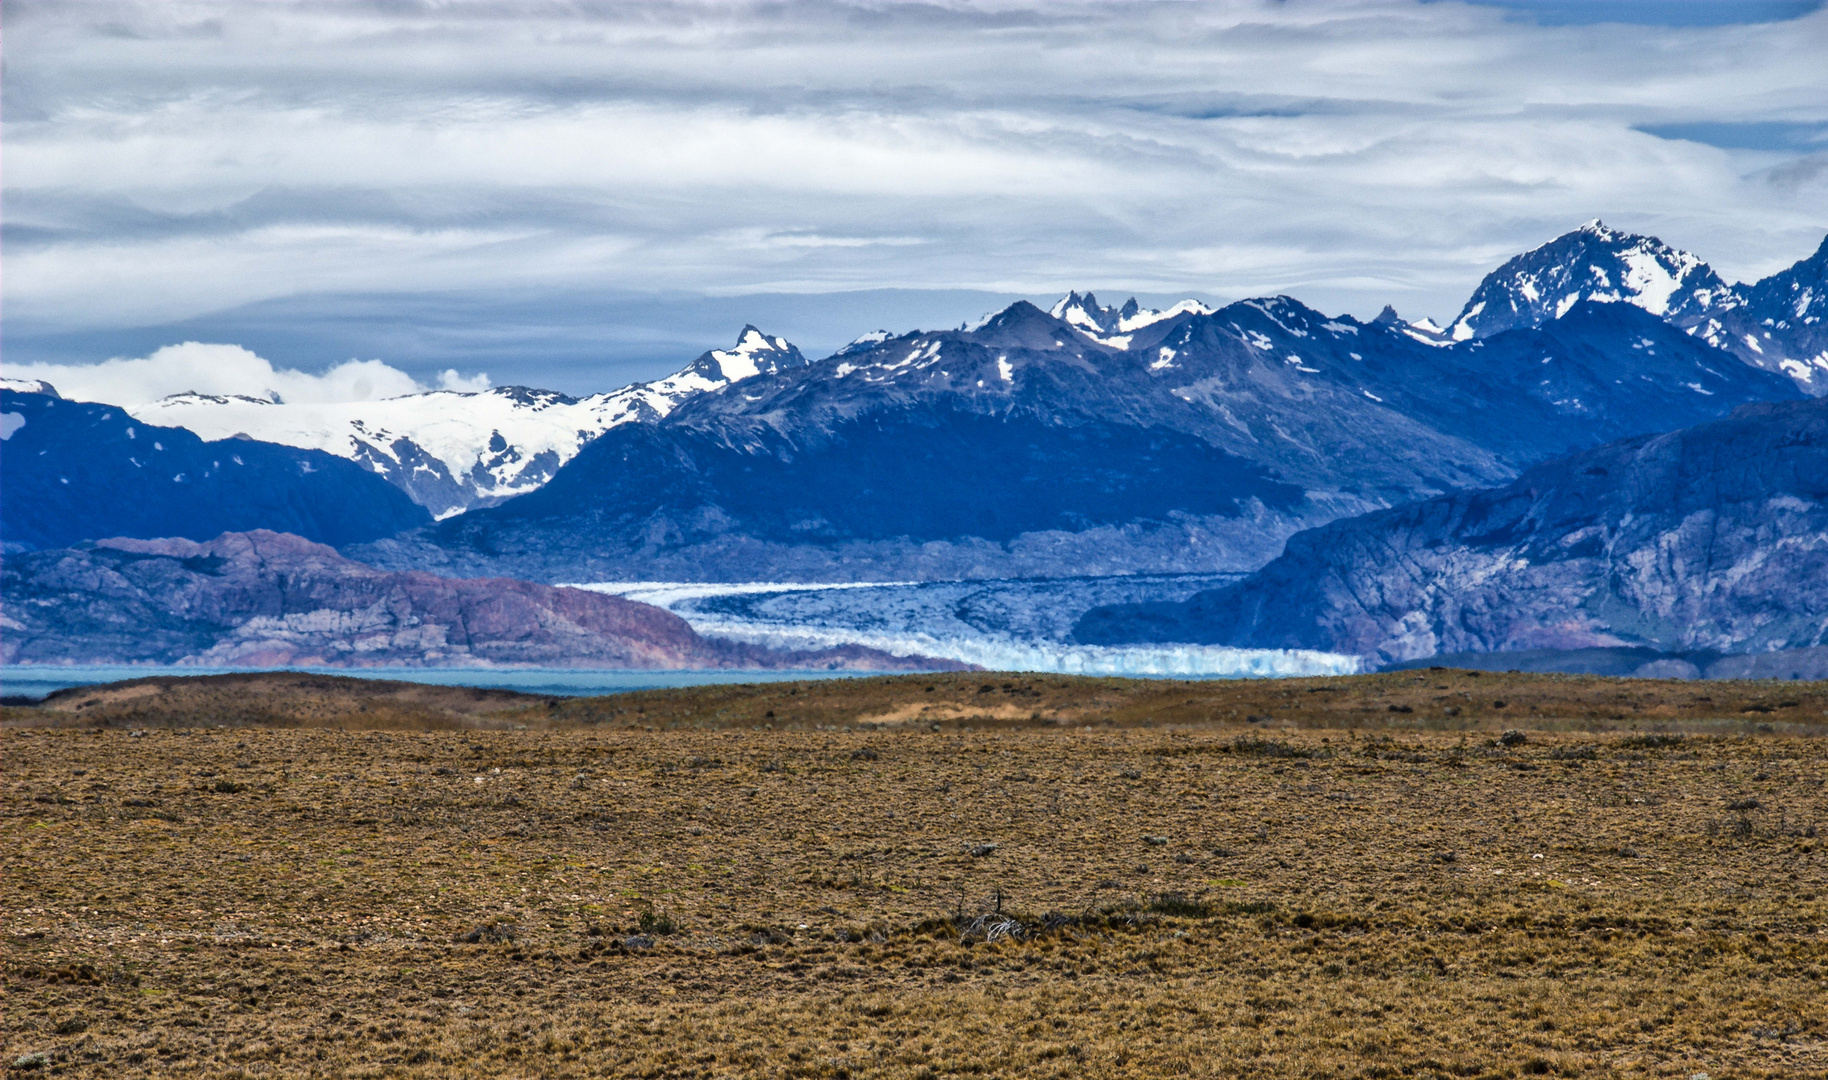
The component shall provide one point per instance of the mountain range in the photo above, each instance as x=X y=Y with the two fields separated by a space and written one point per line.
x=452 y=451
x=1709 y=539
x=1433 y=478
x=1025 y=445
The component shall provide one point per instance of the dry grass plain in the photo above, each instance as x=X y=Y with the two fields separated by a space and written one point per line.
x=1051 y=877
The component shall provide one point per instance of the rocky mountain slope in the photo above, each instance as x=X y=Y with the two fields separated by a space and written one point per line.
x=1785 y=318
x=1029 y=444
x=1779 y=324
x=1711 y=538
x=72 y=470
x=263 y=599
x=451 y=451
x=454 y=451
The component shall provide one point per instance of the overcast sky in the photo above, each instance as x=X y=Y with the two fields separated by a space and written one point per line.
x=578 y=194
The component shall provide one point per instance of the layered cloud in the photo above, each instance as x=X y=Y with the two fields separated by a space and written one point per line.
x=176 y=157
x=196 y=367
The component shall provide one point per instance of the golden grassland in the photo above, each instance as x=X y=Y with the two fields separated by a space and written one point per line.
x=1437 y=700
x=1050 y=877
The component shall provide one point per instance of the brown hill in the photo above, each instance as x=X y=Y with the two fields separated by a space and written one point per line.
x=265 y=599
x=1436 y=700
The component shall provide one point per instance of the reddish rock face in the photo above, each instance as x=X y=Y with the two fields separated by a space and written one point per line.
x=264 y=599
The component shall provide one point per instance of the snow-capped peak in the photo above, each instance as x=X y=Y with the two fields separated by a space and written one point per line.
x=1082 y=311
x=1594 y=263
x=865 y=342
x=1424 y=330
x=29 y=386
x=1113 y=326
x=755 y=353
x=1137 y=319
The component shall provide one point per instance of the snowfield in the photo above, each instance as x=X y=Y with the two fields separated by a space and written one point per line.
x=452 y=451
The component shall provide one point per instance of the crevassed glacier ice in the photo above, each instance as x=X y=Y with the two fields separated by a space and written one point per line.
x=1003 y=625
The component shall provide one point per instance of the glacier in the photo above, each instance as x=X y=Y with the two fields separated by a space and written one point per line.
x=997 y=624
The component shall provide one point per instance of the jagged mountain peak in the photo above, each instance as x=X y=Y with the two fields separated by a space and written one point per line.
x=755 y=353
x=1593 y=262
x=1798 y=295
x=1083 y=312
x=1779 y=324
x=1116 y=326
x=1072 y=301
x=1112 y=327
x=1783 y=323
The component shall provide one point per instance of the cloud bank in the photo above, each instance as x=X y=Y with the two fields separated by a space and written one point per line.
x=168 y=159
x=196 y=367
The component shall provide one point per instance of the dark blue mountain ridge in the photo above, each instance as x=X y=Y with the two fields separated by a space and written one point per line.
x=1779 y=324
x=1028 y=445
x=904 y=478
x=1713 y=538
x=72 y=471
x=1330 y=403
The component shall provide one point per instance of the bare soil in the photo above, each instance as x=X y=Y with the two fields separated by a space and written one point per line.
x=1069 y=877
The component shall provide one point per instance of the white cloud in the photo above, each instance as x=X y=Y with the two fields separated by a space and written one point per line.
x=202 y=368
x=175 y=157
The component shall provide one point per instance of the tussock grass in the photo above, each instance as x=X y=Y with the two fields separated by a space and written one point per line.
x=1014 y=900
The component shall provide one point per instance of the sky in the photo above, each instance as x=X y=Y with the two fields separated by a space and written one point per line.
x=577 y=194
